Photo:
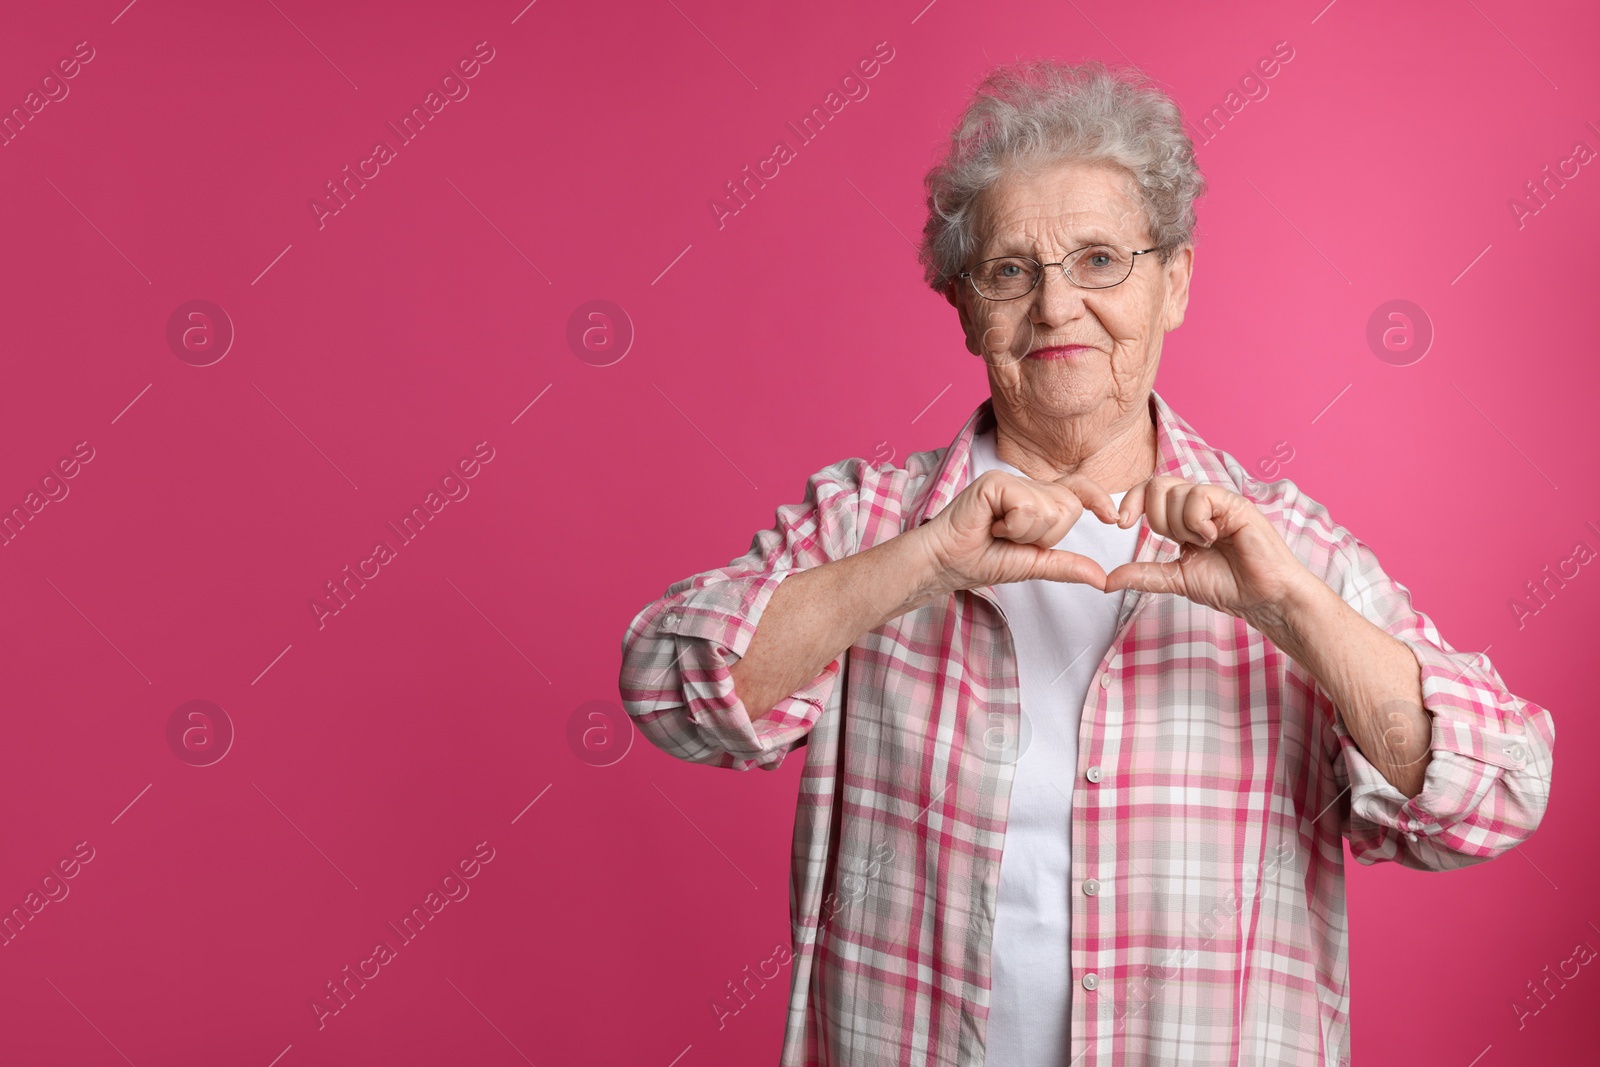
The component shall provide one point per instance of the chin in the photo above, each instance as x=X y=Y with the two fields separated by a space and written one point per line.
x=1072 y=393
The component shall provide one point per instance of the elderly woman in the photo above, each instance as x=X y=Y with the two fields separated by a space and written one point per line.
x=1086 y=709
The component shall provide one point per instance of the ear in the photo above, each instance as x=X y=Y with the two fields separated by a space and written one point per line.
x=1176 y=277
x=952 y=293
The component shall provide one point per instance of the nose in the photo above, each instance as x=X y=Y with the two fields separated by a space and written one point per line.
x=1055 y=299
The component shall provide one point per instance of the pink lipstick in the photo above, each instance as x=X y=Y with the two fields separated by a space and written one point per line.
x=1060 y=352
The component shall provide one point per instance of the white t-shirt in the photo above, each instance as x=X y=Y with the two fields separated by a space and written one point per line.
x=1061 y=631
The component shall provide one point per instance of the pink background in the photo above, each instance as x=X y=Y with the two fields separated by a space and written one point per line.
x=432 y=713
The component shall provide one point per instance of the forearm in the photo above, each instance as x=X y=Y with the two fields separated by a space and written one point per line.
x=1374 y=679
x=816 y=614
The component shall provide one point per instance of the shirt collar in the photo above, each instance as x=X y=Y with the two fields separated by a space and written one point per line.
x=1180 y=452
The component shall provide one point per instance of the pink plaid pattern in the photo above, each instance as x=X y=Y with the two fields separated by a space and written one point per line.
x=1214 y=784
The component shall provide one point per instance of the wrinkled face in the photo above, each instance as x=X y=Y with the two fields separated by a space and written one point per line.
x=1047 y=214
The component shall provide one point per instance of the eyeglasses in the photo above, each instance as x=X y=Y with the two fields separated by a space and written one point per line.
x=1090 y=267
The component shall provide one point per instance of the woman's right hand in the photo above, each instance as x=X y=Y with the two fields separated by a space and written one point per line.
x=1002 y=528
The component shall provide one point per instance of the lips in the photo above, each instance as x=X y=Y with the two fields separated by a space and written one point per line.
x=1059 y=352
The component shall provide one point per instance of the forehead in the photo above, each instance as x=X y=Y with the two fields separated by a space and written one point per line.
x=1060 y=204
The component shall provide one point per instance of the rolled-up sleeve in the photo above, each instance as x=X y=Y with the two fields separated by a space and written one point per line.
x=675 y=681
x=1487 y=781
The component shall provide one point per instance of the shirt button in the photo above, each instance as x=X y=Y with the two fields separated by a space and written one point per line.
x=1515 y=752
x=1091 y=980
x=1410 y=836
x=1090 y=886
x=1105 y=680
x=1093 y=773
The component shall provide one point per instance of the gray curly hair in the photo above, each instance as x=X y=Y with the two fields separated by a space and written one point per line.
x=1041 y=111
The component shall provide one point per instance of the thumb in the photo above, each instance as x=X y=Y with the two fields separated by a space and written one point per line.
x=1148 y=577
x=1059 y=565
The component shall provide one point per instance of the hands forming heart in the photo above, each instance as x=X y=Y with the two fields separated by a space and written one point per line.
x=1003 y=528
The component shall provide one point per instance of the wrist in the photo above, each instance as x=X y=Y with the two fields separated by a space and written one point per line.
x=1294 y=614
x=927 y=578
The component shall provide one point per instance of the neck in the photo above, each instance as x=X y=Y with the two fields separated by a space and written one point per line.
x=1116 y=452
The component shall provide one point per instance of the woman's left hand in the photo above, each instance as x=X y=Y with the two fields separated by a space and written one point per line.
x=1231 y=557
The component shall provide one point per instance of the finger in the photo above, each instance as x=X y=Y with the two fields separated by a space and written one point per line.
x=1090 y=494
x=1198 y=508
x=1132 y=504
x=1232 y=514
x=1059 y=565
x=1150 y=577
x=1065 y=519
x=1157 y=505
x=1029 y=514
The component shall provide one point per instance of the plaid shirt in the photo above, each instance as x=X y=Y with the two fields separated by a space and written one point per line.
x=1215 y=781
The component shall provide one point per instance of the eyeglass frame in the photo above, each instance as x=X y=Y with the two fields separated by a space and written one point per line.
x=1066 y=271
